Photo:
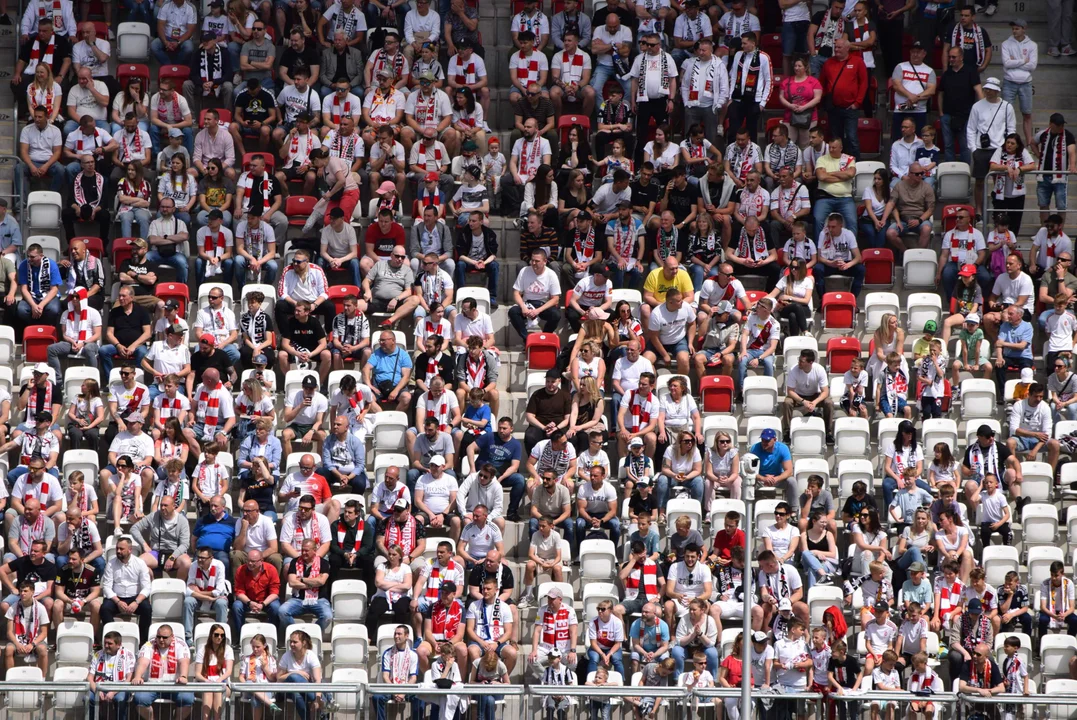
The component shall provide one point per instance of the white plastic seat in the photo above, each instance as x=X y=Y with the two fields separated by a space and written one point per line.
x=350 y=643
x=175 y=625
x=633 y=297
x=65 y=702
x=386 y=460
x=389 y=429
x=350 y=702
x=566 y=590
x=166 y=598
x=114 y=376
x=973 y=426
x=1059 y=687
x=877 y=304
x=293 y=381
x=311 y=629
x=764 y=513
x=537 y=381
x=131 y=639
x=977 y=398
x=250 y=629
x=1055 y=654
x=7 y=349
x=922 y=307
x=480 y=295
x=1064 y=427
x=43 y=208
x=852 y=437
x=74 y=642
x=676 y=507
x=205 y=288
x=865 y=176
x=759 y=423
x=714 y=423
x=24 y=700
x=133 y=41
x=1038 y=481
x=594 y=593
x=50 y=246
x=1039 y=524
x=720 y=507
x=805 y=467
x=793 y=345
x=936 y=430
x=820 y=597
x=852 y=470
x=760 y=395
x=598 y=559
x=1024 y=652
x=269 y=291
x=349 y=600
x=953 y=181
x=807 y=436
x=86 y=461
x=1039 y=560
x=75 y=376
x=997 y=561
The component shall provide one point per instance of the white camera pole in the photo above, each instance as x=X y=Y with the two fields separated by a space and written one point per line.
x=749 y=471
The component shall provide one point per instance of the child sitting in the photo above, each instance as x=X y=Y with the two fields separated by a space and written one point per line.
x=616 y=160
x=886 y=678
x=922 y=681
x=856 y=384
x=1013 y=605
x=174 y=485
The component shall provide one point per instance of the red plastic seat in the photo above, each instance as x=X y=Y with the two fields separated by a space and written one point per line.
x=298 y=208
x=569 y=294
x=178 y=74
x=949 y=215
x=129 y=70
x=771 y=44
x=870 y=132
x=337 y=293
x=271 y=162
x=716 y=391
x=94 y=245
x=878 y=266
x=36 y=340
x=839 y=309
x=840 y=352
x=225 y=116
x=565 y=123
x=174 y=291
x=772 y=102
x=542 y=349
x=121 y=250
x=754 y=296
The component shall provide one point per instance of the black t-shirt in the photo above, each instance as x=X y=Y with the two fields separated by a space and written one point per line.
x=323 y=591
x=304 y=60
x=258 y=195
x=681 y=202
x=714 y=193
x=128 y=327
x=1049 y=150
x=26 y=570
x=1003 y=455
x=60 y=52
x=957 y=88
x=852 y=506
x=342 y=68
x=845 y=672
x=638 y=504
x=255 y=106
x=479 y=574
x=643 y=196
x=981 y=682
x=131 y=267
x=80 y=586
x=306 y=335
x=201 y=360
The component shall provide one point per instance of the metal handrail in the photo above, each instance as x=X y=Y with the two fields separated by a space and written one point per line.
x=989 y=188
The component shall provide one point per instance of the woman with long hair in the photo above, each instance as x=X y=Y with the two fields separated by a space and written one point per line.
x=586 y=414
x=904 y=452
x=1012 y=160
x=392 y=601
x=952 y=542
x=889 y=337
x=704 y=250
x=626 y=328
x=872 y=543
x=800 y=93
x=300 y=664
x=45 y=92
x=574 y=154
x=253 y=403
x=133 y=98
x=875 y=221
x=915 y=540
x=297 y=15
x=678 y=412
x=722 y=469
x=242 y=17
x=793 y=295
x=213 y=664
x=134 y=196
x=178 y=185
x=662 y=153
x=259 y=666
x=468 y=118
x=171 y=444
x=574 y=198
x=682 y=467
x=85 y=417
x=594 y=330
x=540 y=193
x=818 y=549
x=215 y=192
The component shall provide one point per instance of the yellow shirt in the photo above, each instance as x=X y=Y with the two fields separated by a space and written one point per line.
x=657 y=283
x=833 y=164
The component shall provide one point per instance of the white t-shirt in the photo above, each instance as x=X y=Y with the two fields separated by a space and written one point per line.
x=807 y=383
x=670 y=325
x=781 y=539
x=682 y=463
x=1047 y=250
x=167 y=360
x=689 y=582
x=679 y=414
x=627 y=373
x=213 y=670
x=1008 y=289
x=788 y=652
x=537 y=288
x=1061 y=328
x=259 y=534
x=318 y=404
x=293 y=102
x=598 y=501
x=480 y=540
x=437 y=491
x=908 y=457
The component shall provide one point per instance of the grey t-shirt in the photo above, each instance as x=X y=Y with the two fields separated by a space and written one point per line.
x=824 y=502
x=551 y=504
x=678 y=542
x=426 y=449
x=338 y=244
x=258 y=53
x=387 y=283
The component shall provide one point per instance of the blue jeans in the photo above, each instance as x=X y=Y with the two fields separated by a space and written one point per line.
x=120 y=701
x=49 y=316
x=950 y=279
x=812 y=565
x=890 y=489
x=108 y=355
x=953 y=132
x=491 y=271
x=191 y=605
x=381 y=700
x=821 y=272
x=300 y=699
x=234 y=50
x=268 y=272
x=140 y=11
x=98 y=563
x=876 y=238
x=613 y=526
x=188 y=138
x=742 y=365
x=487 y=706
x=795 y=38
x=603 y=73
x=912 y=554
x=352 y=266
x=824 y=206
x=129 y=218
x=322 y=610
x=176 y=260
x=665 y=482
x=146 y=699
x=56 y=175
x=678 y=654
x=568 y=530
x=615 y=660
x=227 y=267
x=20 y=470
x=517 y=485
x=239 y=615
x=180 y=56
x=1045 y=191
x=621 y=279
x=698 y=275
x=843 y=125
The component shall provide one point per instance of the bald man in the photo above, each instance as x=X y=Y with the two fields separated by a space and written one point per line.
x=214 y=412
x=88 y=272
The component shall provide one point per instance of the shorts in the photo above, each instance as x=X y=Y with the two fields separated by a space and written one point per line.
x=1024 y=444
x=248 y=131
x=353 y=356
x=292 y=173
x=1020 y=91
x=710 y=353
x=633 y=607
x=854 y=406
x=677 y=347
x=300 y=430
x=731 y=609
x=500 y=646
x=448 y=513
x=378 y=305
x=981 y=163
x=424 y=604
x=1045 y=190
x=884 y=405
x=871 y=655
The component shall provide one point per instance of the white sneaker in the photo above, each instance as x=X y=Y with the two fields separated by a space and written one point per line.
x=1053 y=52
x=979 y=8
x=991 y=10
x=1067 y=50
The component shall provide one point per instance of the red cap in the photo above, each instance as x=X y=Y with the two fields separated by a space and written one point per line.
x=967 y=271
x=432 y=177
x=207 y=338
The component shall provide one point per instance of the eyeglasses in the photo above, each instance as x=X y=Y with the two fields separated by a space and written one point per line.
x=725 y=442
x=205 y=557
x=164 y=637
x=215 y=297
x=256 y=28
x=301 y=261
x=687 y=441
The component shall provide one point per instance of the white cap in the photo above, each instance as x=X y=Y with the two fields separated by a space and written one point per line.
x=437 y=460
x=41 y=368
x=972 y=318
x=1027 y=375
x=992 y=83
x=635 y=442
x=785 y=605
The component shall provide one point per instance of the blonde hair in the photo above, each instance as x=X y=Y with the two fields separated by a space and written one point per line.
x=590 y=386
x=880 y=332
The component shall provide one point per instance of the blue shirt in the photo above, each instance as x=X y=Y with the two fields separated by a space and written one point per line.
x=388 y=366
x=10 y=233
x=38 y=285
x=932 y=155
x=770 y=463
x=352 y=453
x=480 y=413
x=650 y=543
x=1021 y=333
x=214 y=534
x=250 y=448
x=492 y=449
x=652 y=636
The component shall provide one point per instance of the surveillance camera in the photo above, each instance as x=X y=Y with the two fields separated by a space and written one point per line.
x=749 y=467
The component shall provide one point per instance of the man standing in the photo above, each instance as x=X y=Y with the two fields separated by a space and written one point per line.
x=972 y=40
x=1060 y=28
x=959 y=87
x=913 y=83
x=750 y=86
x=1056 y=150
x=990 y=121
x=845 y=81
x=1020 y=57
x=126 y=587
x=704 y=89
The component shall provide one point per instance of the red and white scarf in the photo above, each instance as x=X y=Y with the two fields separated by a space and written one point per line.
x=647 y=572
x=441 y=413
x=343 y=147
x=528 y=70
x=80 y=323
x=530 y=156
x=624 y=239
x=171 y=663
x=639 y=409
x=112 y=667
x=301 y=571
x=555 y=627
x=437 y=576
x=35 y=53
x=402 y=535
x=299 y=152
x=57 y=14
x=80 y=193
x=476 y=370
x=80 y=143
x=132 y=152
x=336 y=111
x=209 y=407
x=426 y=110
x=206 y=580
x=169 y=111
x=247 y=182
x=214 y=244
x=24 y=632
x=209 y=478
x=37 y=96
x=571 y=67
x=315 y=532
x=29 y=533
x=445 y=621
x=426 y=151
x=466 y=74
x=342 y=531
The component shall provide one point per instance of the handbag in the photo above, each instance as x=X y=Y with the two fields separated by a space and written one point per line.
x=801 y=120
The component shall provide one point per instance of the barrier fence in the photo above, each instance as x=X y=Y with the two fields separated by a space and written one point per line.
x=71 y=700
x=1031 y=181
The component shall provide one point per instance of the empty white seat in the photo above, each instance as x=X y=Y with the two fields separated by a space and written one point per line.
x=43 y=208
x=921 y=307
x=24 y=700
x=1039 y=560
x=760 y=395
x=953 y=181
x=7 y=350
x=1039 y=480
x=807 y=435
x=166 y=598
x=1055 y=654
x=132 y=41
x=1039 y=524
x=389 y=429
x=535 y=381
x=64 y=702
x=852 y=437
x=349 y=600
x=977 y=398
x=1060 y=687
x=350 y=643
x=997 y=561
x=74 y=642
x=598 y=559
x=350 y=702
x=876 y=305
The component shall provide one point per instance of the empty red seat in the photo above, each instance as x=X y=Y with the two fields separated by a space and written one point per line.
x=174 y=291
x=870 y=132
x=716 y=392
x=840 y=352
x=542 y=349
x=298 y=208
x=878 y=266
x=337 y=293
x=839 y=309
x=36 y=340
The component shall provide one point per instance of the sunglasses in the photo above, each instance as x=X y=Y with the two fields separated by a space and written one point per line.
x=400 y=257
x=218 y=635
x=127 y=373
x=215 y=297
x=307 y=508
x=256 y=28
x=918 y=174
x=724 y=442
x=647 y=44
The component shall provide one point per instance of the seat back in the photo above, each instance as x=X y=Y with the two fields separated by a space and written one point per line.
x=389 y=429
x=760 y=395
x=133 y=41
x=852 y=437
x=977 y=398
x=953 y=181
x=923 y=307
x=876 y=305
x=807 y=436
x=920 y=266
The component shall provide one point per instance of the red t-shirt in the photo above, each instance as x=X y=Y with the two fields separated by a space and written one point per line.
x=723 y=541
x=382 y=243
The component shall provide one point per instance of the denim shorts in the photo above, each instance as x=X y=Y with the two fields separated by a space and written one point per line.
x=884 y=405
x=1021 y=91
x=1024 y=444
x=1044 y=191
x=677 y=347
